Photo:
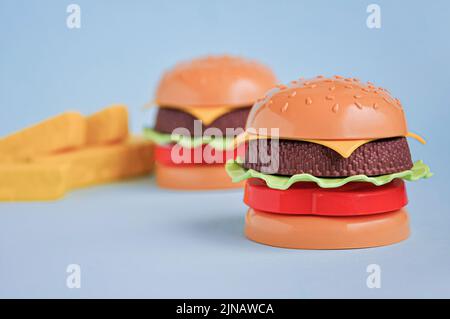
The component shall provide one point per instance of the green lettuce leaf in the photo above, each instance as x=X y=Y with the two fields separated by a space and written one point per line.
x=188 y=141
x=238 y=173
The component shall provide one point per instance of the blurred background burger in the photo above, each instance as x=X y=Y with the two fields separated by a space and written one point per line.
x=214 y=92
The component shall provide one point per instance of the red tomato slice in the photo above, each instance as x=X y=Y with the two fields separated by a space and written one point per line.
x=306 y=198
x=204 y=154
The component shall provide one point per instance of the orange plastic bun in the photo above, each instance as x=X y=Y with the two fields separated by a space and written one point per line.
x=215 y=81
x=329 y=109
x=194 y=177
x=320 y=232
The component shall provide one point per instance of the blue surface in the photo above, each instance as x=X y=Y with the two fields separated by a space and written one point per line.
x=133 y=240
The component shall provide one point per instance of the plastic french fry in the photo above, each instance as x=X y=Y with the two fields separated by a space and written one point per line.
x=63 y=132
x=32 y=181
x=101 y=164
x=69 y=151
x=108 y=126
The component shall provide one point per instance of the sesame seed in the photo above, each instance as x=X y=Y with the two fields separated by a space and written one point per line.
x=308 y=101
x=335 y=108
x=358 y=105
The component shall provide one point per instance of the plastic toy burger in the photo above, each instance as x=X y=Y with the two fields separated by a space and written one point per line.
x=201 y=103
x=335 y=177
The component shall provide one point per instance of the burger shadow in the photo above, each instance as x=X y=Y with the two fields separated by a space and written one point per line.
x=224 y=230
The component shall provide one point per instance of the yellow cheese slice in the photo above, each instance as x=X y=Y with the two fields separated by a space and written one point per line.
x=108 y=126
x=206 y=114
x=105 y=163
x=416 y=137
x=65 y=131
x=31 y=181
x=344 y=147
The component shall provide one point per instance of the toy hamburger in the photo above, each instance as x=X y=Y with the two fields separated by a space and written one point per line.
x=202 y=105
x=332 y=175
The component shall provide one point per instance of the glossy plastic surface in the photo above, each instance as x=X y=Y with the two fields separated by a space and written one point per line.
x=204 y=154
x=320 y=232
x=194 y=177
x=329 y=109
x=307 y=198
x=215 y=81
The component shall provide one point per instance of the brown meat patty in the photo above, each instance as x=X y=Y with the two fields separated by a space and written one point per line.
x=169 y=119
x=379 y=157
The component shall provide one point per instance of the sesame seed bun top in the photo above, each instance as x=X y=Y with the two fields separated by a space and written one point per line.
x=214 y=81
x=334 y=108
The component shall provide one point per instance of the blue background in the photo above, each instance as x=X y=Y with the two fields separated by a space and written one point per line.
x=133 y=240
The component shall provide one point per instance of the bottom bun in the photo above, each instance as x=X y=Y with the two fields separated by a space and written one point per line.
x=194 y=177
x=323 y=232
